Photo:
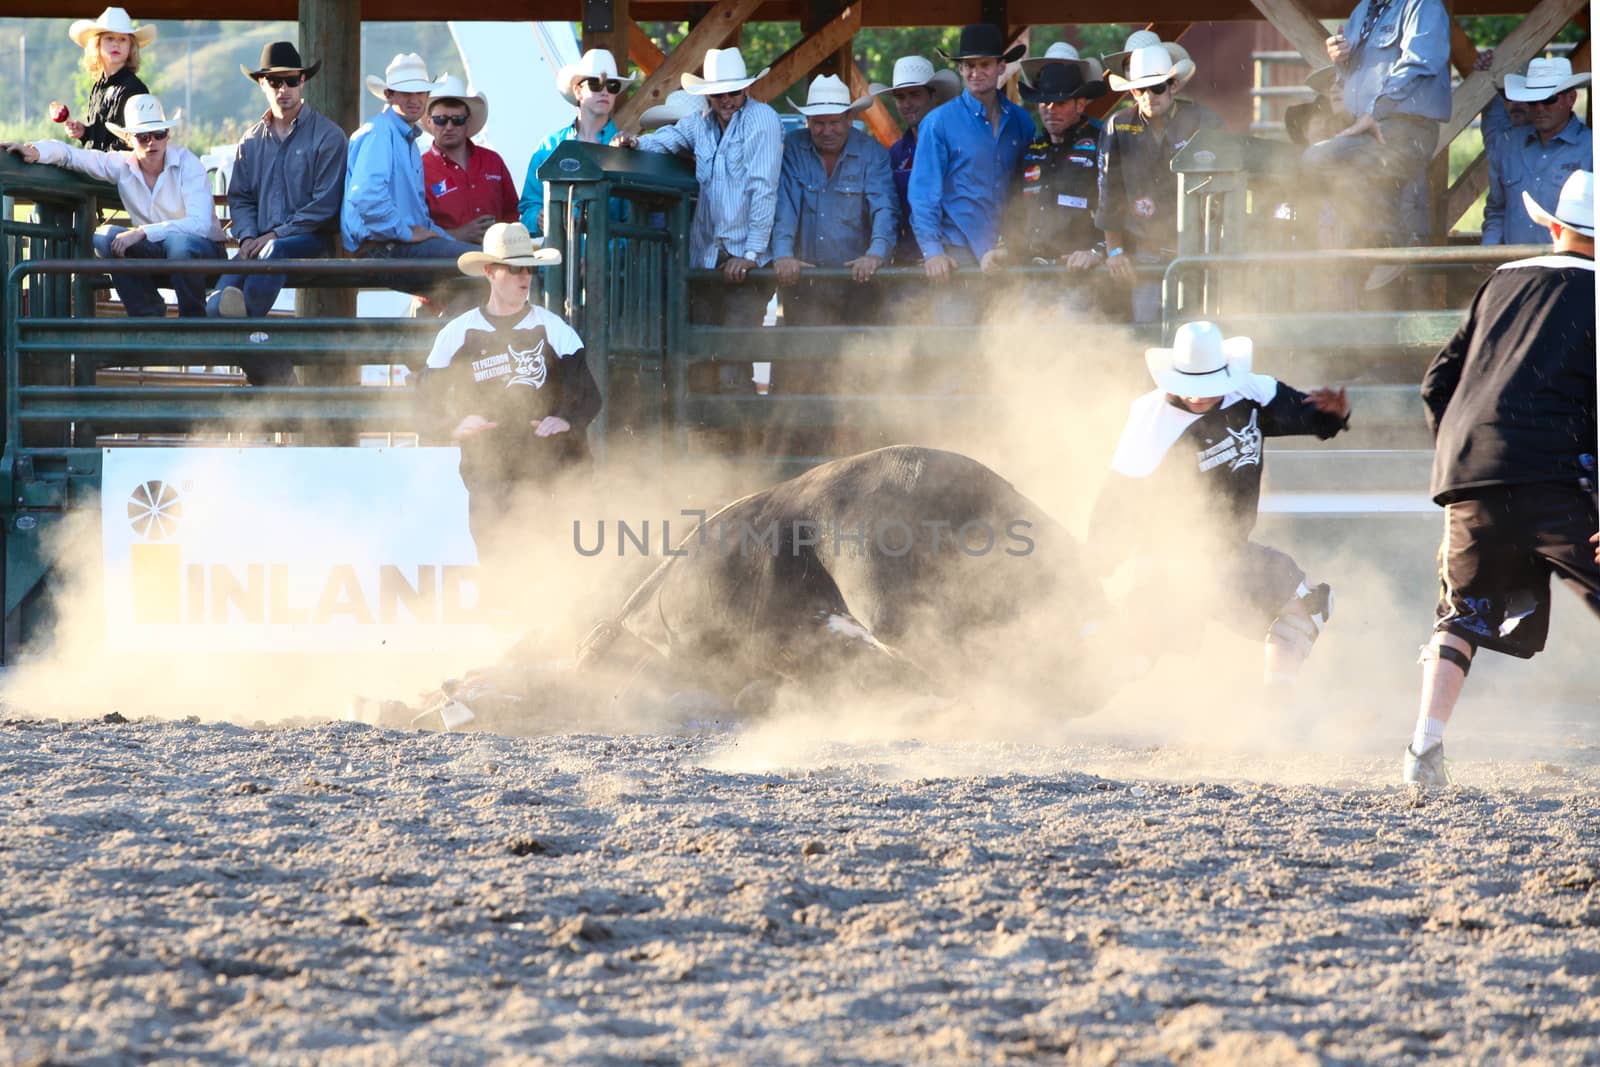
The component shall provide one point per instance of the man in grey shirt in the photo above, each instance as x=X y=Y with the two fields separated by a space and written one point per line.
x=284 y=196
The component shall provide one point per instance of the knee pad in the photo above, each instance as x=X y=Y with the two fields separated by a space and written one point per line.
x=1448 y=654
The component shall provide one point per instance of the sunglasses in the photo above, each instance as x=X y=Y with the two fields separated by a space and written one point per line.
x=153 y=137
x=724 y=96
x=448 y=120
x=1549 y=101
x=291 y=81
x=1161 y=90
x=603 y=85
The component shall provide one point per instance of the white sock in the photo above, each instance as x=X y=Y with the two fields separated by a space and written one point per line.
x=1430 y=732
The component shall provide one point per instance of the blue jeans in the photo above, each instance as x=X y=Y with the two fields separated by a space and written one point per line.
x=1378 y=189
x=139 y=292
x=432 y=248
x=260 y=290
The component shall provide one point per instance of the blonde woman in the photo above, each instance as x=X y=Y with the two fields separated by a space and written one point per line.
x=110 y=46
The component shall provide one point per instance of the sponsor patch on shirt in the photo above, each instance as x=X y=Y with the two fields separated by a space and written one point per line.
x=440 y=187
x=1072 y=201
x=1128 y=127
x=1084 y=142
x=1032 y=174
x=1144 y=207
x=1082 y=161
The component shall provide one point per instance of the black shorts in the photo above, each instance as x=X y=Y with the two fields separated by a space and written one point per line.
x=1500 y=548
x=1241 y=588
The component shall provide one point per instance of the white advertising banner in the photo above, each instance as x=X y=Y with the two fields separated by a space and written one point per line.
x=288 y=549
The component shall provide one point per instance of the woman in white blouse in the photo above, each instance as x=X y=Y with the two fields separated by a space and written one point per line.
x=168 y=199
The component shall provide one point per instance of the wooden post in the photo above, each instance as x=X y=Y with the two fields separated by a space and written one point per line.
x=814 y=15
x=879 y=122
x=606 y=25
x=642 y=51
x=718 y=26
x=1463 y=53
x=330 y=31
x=1466 y=190
x=1299 y=26
x=793 y=66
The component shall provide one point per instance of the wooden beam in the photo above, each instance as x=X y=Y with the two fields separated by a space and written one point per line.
x=1512 y=54
x=879 y=122
x=717 y=26
x=1464 y=192
x=1304 y=31
x=797 y=62
x=605 y=25
x=1463 y=53
x=642 y=51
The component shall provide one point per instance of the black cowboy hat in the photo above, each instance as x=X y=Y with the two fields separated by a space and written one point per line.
x=1056 y=82
x=981 y=41
x=281 y=57
x=1297 y=118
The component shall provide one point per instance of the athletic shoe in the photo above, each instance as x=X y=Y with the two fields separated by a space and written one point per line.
x=230 y=302
x=1427 y=770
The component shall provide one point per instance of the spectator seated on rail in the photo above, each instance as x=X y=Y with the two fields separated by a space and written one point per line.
x=1536 y=159
x=168 y=199
x=967 y=152
x=469 y=187
x=917 y=90
x=1050 y=216
x=110 y=46
x=288 y=180
x=385 y=213
x=1138 y=208
x=592 y=85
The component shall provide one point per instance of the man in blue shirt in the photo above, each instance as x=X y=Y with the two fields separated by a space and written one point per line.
x=967 y=152
x=917 y=90
x=385 y=206
x=1396 y=77
x=836 y=208
x=1537 y=158
x=591 y=85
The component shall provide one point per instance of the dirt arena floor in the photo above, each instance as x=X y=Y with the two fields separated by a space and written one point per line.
x=335 y=893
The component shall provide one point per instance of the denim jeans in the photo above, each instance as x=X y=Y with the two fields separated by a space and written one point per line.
x=1374 y=186
x=139 y=291
x=261 y=290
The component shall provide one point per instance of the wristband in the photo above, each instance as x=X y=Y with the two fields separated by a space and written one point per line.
x=1113 y=252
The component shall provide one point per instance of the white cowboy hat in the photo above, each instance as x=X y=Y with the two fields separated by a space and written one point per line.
x=829 y=95
x=678 y=105
x=406 y=73
x=725 y=73
x=508 y=243
x=450 y=87
x=111 y=20
x=913 y=72
x=1545 y=77
x=595 y=63
x=143 y=114
x=1574 y=208
x=1201 y=362
x=1181 y=60
x=1322 y=80
x=1150 y=65
x=1062 y=52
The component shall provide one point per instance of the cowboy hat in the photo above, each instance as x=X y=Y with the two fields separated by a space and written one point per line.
x=1322 y=80
x=914 y=72
x=829 y=95
x=406 y=73
x=1061 y=52
x=143 y=114
x=281 y=57
x=450 y=87
x=1201 y=362
x=1150 y=65
x=983 y=41
x=678 y=105
x=1545 y=77
x=111 y=20
x=725 y=73
x=1062 y=81
x=1297 y=118
x=595 y=63
x=1118 y=61
x=507 y=243
x=1574 y=208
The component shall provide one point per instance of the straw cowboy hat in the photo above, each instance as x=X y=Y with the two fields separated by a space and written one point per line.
x=1322 y=80
x=595 y=63
x=914 y=72
x=1062 y=81
x=1061 y=52
x=450 y=87
x=1574 y=208
x=829 y=95
x=509 y=244
x=983 y=41
x=1150 y=65
x=1118 y=61
x=677 y=106
x=406 y=73
x=281 y=57
x=111 y=20
x=1201 y=362
x=1545 y=77
x=725 y=73
x=143 y=114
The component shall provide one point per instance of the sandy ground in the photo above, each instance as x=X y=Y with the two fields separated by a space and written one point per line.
x=341 y=894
